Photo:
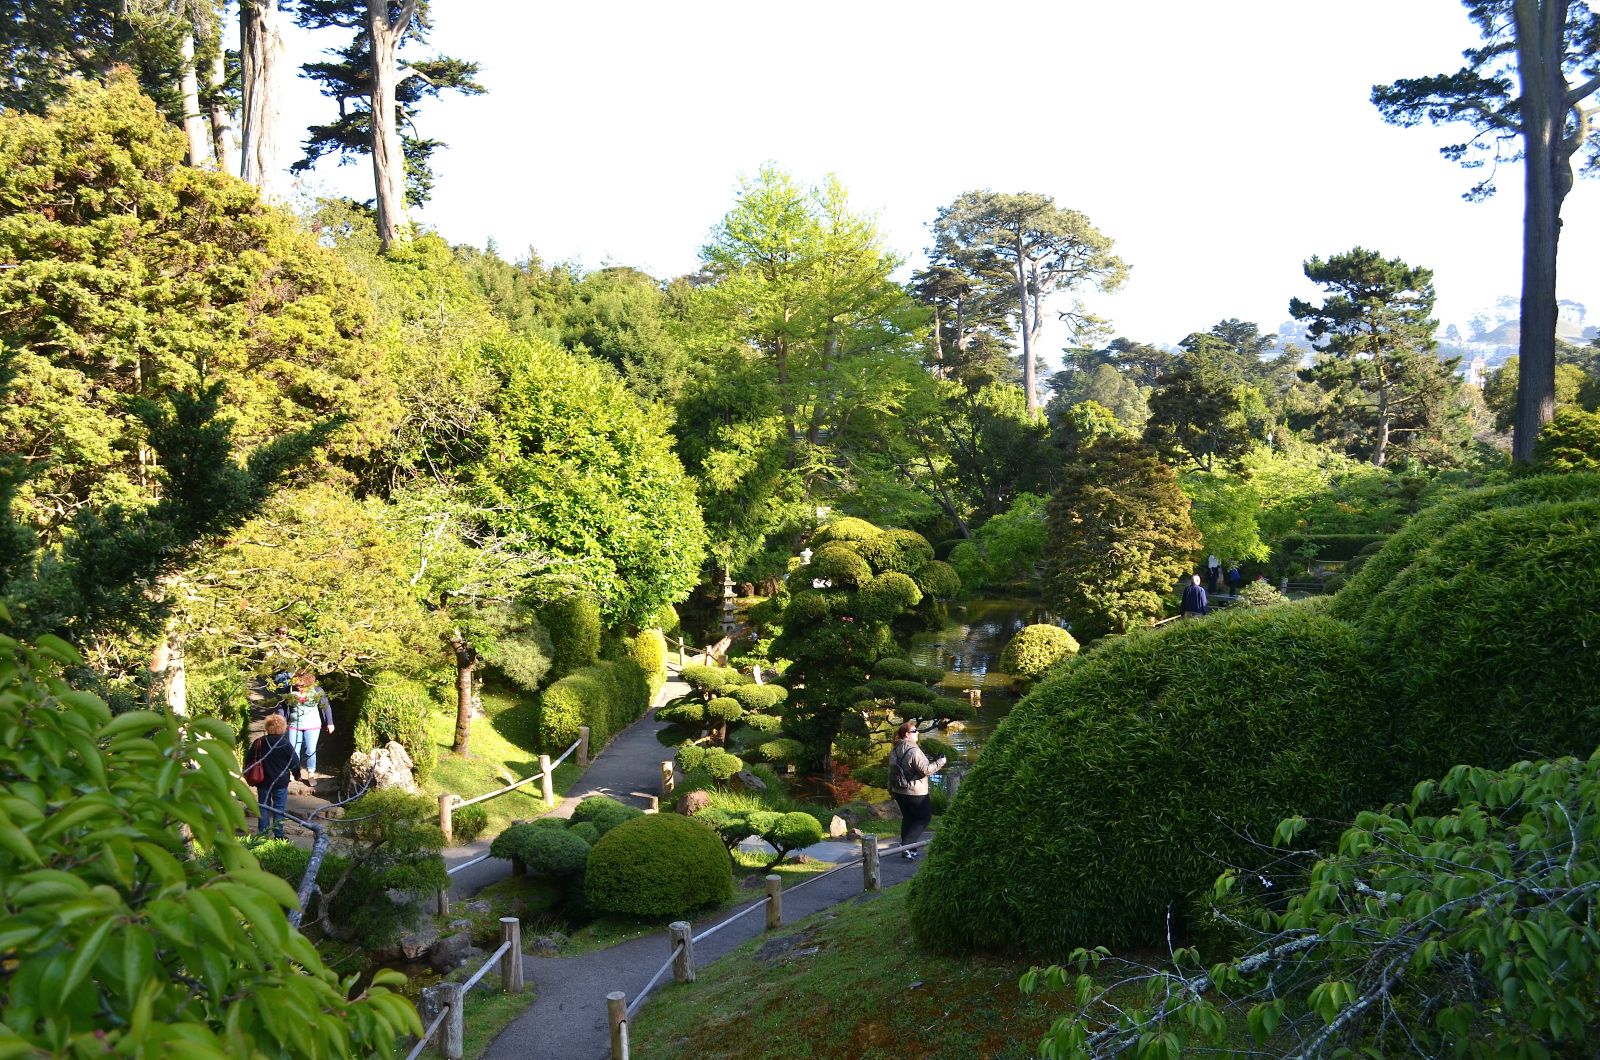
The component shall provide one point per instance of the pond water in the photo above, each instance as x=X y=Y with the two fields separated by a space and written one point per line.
x=968 y=650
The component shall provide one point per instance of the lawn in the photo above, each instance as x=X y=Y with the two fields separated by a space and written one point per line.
x=848 y=982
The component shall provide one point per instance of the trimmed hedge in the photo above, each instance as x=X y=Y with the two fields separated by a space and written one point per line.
x=607 y=697
x=938 y=579
x=713 y=680
x=541 y=850
x=649 y=649
x=1035 y=649
x=574 y=627
x=603 y=812
x=779 y=750
x=657 y=865
x=1330 y=546
x=759 y=699
x=1160 y=753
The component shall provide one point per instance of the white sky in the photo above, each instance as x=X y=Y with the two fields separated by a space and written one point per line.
x=1220 y=144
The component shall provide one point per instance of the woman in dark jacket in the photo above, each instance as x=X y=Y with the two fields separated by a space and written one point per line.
x=279 y=762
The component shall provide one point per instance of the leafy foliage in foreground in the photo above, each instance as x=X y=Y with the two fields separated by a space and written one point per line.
x=1462 y=923
x=120 y=937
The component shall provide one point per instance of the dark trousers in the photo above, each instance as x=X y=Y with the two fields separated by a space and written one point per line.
x=915 y=813
x=274 y=804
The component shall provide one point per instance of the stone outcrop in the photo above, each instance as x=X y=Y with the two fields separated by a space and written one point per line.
x=388 y=766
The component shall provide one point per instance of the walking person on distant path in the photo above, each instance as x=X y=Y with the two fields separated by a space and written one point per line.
x=1235 y=579
x=1213 y=573
x=909 y=770
x=1195 y=602
x=276 y=755
x=309 y=715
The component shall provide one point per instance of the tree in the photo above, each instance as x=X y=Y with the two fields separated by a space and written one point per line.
x=1378 y=350
x=1046 y=250
x=132 y=823
x=1202 y=411
x=261 y=54
x=1523 y=94
x=1119 y=537
x=1500 y=390
x=368 y=68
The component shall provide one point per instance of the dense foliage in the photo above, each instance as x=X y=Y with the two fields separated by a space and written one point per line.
x=606 y=697
x=657 y=865
x=1030 y=654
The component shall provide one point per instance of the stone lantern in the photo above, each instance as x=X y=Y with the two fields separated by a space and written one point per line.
x=727 y=602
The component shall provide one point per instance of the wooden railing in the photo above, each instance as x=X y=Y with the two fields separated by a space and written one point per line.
x=620 y=1011
x=449 y=803
x=449 y=1026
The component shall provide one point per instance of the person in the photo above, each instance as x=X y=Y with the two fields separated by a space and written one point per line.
x=276 y=753
x=909 y=770
x=1195 y=603
x=1213 y=573
x=309 y=715
x=1235 y=579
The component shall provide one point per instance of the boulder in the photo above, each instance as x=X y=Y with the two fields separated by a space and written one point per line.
x=838 y=828
x=450 y=951
x=885 y=811
x=694 y=802
x=388 y=766
x=749 y=781
x=411 y=946
x=546 y=945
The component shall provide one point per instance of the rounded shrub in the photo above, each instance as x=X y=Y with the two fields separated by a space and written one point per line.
x=688 y=714
x=667 y=621
x=1570 y=442
x=896 y=669
x=762 y=723
x=938 y=579
x=660 y=864
x=574 y=627
x=547 y=851
x=791 y=831
x=1259 y=594
x=905 y=551
x=604 y=812
x=759 y=698
x=586 y=831
x=690 y=756
x=1119 y=786
x=779 y=750
x=888 y=595
x=839 y=563
x=393 y=707
x=720 y=765
x=724 y=709
x=712 y=680
x=648 y=648
x=849 y=529
x=468 y=823
x=1035 y=649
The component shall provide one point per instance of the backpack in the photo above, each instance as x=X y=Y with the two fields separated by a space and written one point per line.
x=899 y=777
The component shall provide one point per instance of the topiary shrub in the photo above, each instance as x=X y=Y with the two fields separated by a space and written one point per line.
x=648 y=648
x=721 y=765
x=690 y=757
x=887 y=596
x=574 y=627
x=607 y=697
x=691 y=715
x=904 y=551
x=848 y=529
x=587 y=831
x=780 y=750
x=657 y=865
x=1035 y=649
x=712 y=680
x=839 y=563
x=762 y=723
x=724 y=709
x=604 y=812
x=938 y=579
x=1173 y=750
x=468 y=823
x=759 y=698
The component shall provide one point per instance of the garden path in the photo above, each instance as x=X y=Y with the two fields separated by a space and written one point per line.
x=567 y=1020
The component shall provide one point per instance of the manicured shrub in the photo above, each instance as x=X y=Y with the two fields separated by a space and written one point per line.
x=712 y=680
x=938 y=579
x=721 y=765
x=849 y=529
x=657 y=865
x=1260 y=593
x=839 y=563
x=690 y=757
x=574 y=627
x=393 y=707
x=607 y=697
x=543 y=851
x=780 y=750
x=586 y=831
x=667 y=621
x=762 y=723
x=604 y=812
x=1035 y=649
x=792 y=831
x=468 y=823
x=648 y=648
x=888 y=595
x=896 y=669
x=759 y=698
x=692 y=715
x=904 y=551
x=1168 y=753
x=724 y=709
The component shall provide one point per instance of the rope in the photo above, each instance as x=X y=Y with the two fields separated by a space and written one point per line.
x=467 y=864
x=519 y=783
x=495 y=956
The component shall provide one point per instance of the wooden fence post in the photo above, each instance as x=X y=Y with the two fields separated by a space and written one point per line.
x=869 y=862
x=668 y=781
x=655 y=804
x=442 y=902
x=774 y=902
x=548 y=783
x=511 y=960
x=682 y=660
x=446 y=805
x=679 y=932
x=583 y=745
x=453 y=1035
x=617 y=1015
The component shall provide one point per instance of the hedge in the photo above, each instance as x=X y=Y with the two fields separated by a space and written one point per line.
x=603 y=812
x=759 y=698
x=1035 y=649
x=1123 y=785
x=543 y=851
x=657 y=865
x=1329 y=546
x=648 y=648
x=574 y=627
x=607 y=697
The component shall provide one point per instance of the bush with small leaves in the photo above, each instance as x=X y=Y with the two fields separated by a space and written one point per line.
x=648 y=648
x=904 y=551
x=721 y=765
x=724 y=709
x=1259 y=593
x=848 y=529
x=781 y=750
x=759 y=699
x=574 y=627
x=606 y=697
x=887 y=596
x=691 y=756
x=838 y=563
x=938 y=579
x=1035 y=649
x=586 y=831
x=468 y=823
x=658 y=865
x=762 y=723
x=604 y=812
x=689 y=715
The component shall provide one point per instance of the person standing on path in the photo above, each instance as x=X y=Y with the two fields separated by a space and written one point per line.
x=276 y=754
x=1195 y=603
x=1235 y=579
x=909 y=770
x=309 y=715
x=1213 y=573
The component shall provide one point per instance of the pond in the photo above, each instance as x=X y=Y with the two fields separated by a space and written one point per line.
x=968 y=650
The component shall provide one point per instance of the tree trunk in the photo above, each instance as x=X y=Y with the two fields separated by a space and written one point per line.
x=1380 y=452
x=466 y=662
x=224 y=137
x=388 y=156
x=1546 y=177
x=262 y=55
x=169 y=685
x=194 y=123
x=1027 y=336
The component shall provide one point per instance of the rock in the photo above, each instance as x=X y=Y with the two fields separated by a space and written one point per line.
x=412 y=945
x=450 y=951
x=837 y=828
x=885 y=811
x=546 y=945
x=749 y=781
x=382 y=767
x=694 y=802
x=801 y=859
x=477 y=905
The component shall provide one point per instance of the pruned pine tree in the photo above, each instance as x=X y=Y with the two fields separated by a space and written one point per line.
x=1524 y=93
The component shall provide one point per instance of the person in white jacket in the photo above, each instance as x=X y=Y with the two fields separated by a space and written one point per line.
x=909 y=770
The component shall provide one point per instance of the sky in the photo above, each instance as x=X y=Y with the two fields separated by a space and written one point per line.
x=1218 y=144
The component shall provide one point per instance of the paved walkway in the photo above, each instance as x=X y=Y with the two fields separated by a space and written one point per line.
x=567 y=1020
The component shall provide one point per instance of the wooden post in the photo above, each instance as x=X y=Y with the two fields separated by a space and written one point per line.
x=511 y=960
x=617 y=1015
x=679 y=932
x=655 y=804
x=548 y=782
x=668 y=781
x=682 y=660
x=453 y=1035
x=774 y=902
x=869 y=862
x=583 y=745
x=443 y=901
x=446 y=805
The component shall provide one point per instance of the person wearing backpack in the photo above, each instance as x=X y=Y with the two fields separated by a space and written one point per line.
x=269 y=765
x=909 y=770
x=309 y=715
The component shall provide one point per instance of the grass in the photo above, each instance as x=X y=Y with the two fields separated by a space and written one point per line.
x=848 y=982
x=487 y=1013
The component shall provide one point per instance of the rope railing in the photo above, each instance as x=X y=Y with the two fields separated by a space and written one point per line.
x=525 y=780
x=449 y=803
x=427 y=1035
x=453 y=996
x=633 y=1006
